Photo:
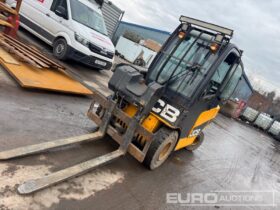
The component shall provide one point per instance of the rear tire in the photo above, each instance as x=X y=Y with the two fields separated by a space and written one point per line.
x=161 y=147
x=197 y=142
x=61 y=49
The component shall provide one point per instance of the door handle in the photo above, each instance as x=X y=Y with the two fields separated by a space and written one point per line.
x=48 y=14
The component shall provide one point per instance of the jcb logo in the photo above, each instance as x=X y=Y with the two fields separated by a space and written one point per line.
x=166 y=111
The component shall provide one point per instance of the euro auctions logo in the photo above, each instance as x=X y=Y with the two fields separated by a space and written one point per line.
x=223 y=198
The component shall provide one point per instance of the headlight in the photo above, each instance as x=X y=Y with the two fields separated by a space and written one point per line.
x=81 y=40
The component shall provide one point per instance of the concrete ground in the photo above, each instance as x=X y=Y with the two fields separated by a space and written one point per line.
x=234 y=156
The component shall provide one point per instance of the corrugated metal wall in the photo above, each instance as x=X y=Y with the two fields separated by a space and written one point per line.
x=112 y=16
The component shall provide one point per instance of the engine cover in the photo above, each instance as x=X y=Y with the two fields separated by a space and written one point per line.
x=130 y=84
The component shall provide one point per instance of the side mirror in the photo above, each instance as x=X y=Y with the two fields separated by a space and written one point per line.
x=61 y=12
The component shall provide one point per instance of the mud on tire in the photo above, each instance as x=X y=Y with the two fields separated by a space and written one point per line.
x=163 y=144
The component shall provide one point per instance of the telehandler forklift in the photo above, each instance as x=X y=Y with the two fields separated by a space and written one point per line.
x=163 y=110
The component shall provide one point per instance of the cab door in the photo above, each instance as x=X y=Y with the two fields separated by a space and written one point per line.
x=220 y=85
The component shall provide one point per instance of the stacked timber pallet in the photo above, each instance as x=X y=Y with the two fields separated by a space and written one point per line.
x=27 y=54
x=31 y=69
x=6 y=11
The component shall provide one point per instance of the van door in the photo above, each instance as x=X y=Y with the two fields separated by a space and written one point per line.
x=61 y=21
x=34 y=16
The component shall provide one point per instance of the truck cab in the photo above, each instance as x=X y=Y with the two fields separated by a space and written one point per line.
x=74 y=28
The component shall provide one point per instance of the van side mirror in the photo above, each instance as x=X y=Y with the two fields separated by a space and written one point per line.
x=61 y=12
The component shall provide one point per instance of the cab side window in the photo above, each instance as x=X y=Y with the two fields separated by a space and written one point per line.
x=61 y=6
x=221 y=73
x=232 y=83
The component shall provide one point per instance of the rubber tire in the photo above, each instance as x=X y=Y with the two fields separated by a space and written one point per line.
x=64 y=54
x=198 y=141
x=163 y=137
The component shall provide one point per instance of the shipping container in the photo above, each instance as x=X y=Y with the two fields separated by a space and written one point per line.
x=233 y=108
x=131 y=51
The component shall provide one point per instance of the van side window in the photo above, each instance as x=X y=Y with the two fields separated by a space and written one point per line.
x=60 y=3
x=221 y=74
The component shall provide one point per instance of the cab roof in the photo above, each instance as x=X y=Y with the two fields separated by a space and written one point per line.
x=220 y=32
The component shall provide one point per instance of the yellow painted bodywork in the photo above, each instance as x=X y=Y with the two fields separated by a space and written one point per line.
x=204 y=117
x=163 y=121
x=41 y=78
x=151 y=123
x=130 y=110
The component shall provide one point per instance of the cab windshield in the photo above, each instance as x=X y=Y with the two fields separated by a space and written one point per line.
x=185 y=63
x=88 y=17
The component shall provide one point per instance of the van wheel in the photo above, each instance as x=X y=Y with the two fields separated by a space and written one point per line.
x=60 y=49
x=163 y=144
x=197 y=142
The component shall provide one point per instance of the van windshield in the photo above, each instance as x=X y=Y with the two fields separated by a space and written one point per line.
x=88 y=17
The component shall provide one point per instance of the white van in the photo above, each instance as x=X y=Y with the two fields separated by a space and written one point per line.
x=75 y=29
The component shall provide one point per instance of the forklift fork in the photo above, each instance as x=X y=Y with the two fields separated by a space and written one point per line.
x=34 y=185
x=32 y=149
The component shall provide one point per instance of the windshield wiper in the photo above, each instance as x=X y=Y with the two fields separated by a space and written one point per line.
x=188 y=70
x=195 y=74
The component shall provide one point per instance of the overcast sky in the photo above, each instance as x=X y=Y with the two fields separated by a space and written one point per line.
x=256 y=25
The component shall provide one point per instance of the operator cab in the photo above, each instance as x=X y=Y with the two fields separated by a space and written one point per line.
x=191 y=55
x=197 y=64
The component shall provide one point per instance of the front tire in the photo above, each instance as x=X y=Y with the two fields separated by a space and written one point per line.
x=161 y=147
x=61 y=49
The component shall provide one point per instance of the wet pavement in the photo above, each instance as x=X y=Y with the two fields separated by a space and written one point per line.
x=234 y=156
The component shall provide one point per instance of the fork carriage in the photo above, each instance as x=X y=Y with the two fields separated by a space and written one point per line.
x=124 y=120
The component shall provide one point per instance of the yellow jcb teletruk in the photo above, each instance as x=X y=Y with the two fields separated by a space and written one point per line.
x=150 y=114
